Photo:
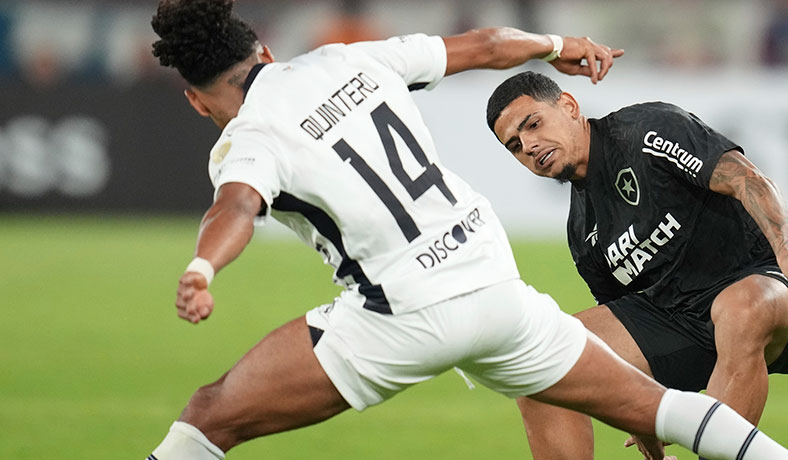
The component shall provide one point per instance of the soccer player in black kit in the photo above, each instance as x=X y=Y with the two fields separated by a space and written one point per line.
x=681 y=239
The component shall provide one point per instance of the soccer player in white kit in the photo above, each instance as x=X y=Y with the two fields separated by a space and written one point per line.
x=332 y=145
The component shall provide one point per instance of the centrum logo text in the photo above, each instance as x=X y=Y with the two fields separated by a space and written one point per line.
x=441 y=248
x=672 y=151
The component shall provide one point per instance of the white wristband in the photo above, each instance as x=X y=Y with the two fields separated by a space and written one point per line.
x=203 y=267
x=558 y=46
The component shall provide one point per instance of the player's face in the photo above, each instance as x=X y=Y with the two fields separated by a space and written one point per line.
x=550 y=139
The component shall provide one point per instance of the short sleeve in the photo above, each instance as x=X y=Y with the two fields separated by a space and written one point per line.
x=248 y=155
x=419 y=59
x=680 y=143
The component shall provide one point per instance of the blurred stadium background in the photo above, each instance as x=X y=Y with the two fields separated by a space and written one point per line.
x=103 y=180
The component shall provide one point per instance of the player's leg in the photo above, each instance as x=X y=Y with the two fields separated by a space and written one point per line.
x=561 y=434
x=278 y=385
x=750 y=322
x=604 y=386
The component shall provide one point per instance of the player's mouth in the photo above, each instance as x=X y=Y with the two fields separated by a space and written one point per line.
x=545 y=159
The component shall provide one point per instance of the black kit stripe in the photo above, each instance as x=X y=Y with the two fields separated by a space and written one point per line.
x=252 y=75
x=315 y=333
x=417 y=86
x=151 y=457
x=746 y=444
x=325 y=225
x=703 y=424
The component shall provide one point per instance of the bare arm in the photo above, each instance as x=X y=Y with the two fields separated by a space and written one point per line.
x=228 y=224
x=225 y=231
x=505 y=47
x=736 y=176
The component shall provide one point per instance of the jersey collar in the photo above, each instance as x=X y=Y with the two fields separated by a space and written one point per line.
x=252 y=75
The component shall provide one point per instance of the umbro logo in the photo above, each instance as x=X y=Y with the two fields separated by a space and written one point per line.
x=627 y=186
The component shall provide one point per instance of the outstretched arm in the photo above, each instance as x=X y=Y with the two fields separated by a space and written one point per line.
x=736 y=176
x=225 y=231
x=505 y=47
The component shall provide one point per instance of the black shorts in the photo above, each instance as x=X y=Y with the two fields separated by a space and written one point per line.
x=678 y=343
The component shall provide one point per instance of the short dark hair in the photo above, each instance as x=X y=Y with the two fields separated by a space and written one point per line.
x=535 y=85
x=201 y=38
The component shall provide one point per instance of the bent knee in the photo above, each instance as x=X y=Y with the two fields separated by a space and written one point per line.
x=750 y=316
x=749 y=309
x=202 y=404
x=217 y=417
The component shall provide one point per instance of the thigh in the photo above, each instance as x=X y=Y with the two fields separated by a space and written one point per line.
x=750 y=317
x=678 y=348
x=278 y=385
x=604 y=386
x=602 y=322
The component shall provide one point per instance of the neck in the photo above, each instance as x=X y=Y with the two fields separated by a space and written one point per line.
x=584 y=147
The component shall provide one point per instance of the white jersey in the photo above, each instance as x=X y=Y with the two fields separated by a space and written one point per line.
x=337 y=148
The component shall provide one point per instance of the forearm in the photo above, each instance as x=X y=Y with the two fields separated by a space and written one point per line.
x=734 y=175
x=765 y=204
x=494 y=48
x=224 y=233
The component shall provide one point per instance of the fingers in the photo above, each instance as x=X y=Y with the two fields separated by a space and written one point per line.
x=606 y=61
x=193 y=301
x=598 y=58
x=590 y=55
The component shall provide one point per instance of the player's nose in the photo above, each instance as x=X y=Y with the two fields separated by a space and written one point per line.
x=531 y=148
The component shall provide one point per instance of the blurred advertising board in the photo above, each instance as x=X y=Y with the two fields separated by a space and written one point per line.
x=102 y=148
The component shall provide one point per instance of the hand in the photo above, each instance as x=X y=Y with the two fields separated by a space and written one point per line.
x=577 y=49
x=194 y=302
x=651 y=447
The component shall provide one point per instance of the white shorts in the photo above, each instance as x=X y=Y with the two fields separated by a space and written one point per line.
x=508 y=337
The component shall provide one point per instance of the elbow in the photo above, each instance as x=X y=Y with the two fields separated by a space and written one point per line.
x=486 y=44
x=491 y=44
x=479 y=49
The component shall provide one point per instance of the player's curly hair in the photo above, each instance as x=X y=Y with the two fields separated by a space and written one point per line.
x=535 y=85
x=201 y=38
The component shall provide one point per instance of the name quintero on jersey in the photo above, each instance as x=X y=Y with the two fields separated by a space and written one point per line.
x=338 y=105
x=627 y=256
x=452 y=240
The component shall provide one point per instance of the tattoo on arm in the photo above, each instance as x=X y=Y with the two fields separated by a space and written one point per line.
x=736 y=176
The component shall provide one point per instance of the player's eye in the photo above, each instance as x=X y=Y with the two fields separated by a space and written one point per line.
x=515 y=147
x=534 y=124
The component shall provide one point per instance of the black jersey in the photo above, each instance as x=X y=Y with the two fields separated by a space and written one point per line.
x=644 y=219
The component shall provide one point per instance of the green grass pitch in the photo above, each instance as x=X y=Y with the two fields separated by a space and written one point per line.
x=95 y=363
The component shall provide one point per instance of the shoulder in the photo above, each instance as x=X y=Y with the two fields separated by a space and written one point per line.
x=644 y=112
x=633 y=123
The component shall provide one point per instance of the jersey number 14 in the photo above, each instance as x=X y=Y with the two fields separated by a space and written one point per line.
x=384 y=118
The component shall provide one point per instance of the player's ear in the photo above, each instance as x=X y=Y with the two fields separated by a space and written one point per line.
x=195 y=102
x=265 y=55
x=568 y=102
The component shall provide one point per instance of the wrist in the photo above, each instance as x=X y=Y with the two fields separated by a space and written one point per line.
x=558 y=46
x=203 y=267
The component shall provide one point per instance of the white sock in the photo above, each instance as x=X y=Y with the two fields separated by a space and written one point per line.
x=185 y=442
x=712 y=429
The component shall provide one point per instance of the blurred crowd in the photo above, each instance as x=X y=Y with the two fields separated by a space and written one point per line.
x=49 y=42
